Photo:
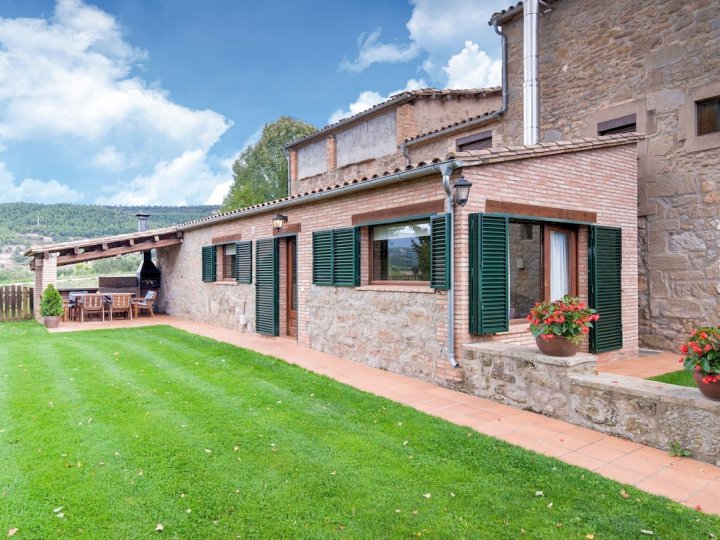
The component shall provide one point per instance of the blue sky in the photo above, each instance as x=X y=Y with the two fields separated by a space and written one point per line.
x=150 y=101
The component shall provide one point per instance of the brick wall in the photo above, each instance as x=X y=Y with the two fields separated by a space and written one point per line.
x=398 y=328
x=652 y=58
x=45 y=274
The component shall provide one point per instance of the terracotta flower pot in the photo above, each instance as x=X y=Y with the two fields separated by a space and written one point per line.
x=557 y=346
x=709 y=390
x=51 y=322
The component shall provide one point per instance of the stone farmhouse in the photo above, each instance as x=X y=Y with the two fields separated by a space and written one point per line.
x=651 y=66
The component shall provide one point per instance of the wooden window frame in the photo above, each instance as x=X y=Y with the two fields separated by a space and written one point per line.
x=618 y=125
x=545 y=230
x=462 y=143
x=222 y=263
x=698 y=103
x=371 y=265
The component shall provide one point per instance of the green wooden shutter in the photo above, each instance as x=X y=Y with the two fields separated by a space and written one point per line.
x=266 y=287
x=440 y=247
x=489 y=274
x=243 y=262
x=605 y=266
x=345 y=251
x=322 y=258
x=209 y=266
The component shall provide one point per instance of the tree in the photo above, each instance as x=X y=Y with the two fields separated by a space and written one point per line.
x=260 y=172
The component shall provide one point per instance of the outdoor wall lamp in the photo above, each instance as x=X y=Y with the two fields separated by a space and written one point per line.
x=462 y=191
x=278 y=221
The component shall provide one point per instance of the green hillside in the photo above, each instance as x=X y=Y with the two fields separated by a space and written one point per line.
x=68 y=221
x=26 y=224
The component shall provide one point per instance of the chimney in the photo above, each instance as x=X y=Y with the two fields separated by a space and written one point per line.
x=142 y=221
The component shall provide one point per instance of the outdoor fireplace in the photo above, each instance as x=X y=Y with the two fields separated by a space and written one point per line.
x=148 y=275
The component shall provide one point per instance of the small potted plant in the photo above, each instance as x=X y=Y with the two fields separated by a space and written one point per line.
x=560 y=326
x=51 y=307
x=701 y=357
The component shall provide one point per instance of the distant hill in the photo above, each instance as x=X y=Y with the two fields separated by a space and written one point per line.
x=26 y=224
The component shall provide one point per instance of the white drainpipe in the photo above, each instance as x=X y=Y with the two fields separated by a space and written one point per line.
x=531 y=83
x=446 y=169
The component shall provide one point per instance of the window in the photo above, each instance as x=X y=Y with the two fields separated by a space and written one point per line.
x=708 y=116
x=625 y=124
x=228 y=261
x=542 y=265
x=479 y=141
x=400 y=252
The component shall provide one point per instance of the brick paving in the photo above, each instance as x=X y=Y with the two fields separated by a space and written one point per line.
x=690 y=482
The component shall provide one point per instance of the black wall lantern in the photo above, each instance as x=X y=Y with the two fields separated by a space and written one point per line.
x=462 y=191
x=278 y=221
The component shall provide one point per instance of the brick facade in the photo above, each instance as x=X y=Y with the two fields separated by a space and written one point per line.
x=652 y=58
x=404 y=329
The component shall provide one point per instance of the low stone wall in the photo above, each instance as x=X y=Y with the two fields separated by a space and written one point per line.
x=523 y=377
x=570 y=389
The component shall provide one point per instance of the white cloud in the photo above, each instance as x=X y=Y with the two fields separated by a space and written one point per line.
x=68 y=79
x=111 y=160
x=371 y=51
x=370 y=98
x=472 y=68
x=184 y=180
x=435 y=31
x=218 y=194
x=31 y=190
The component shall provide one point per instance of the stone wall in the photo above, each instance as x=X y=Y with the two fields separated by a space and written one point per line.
x=392 y=330
x=647 y=412
x=184 y=294
x=655 y=59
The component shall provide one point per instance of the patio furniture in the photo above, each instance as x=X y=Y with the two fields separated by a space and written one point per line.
x=90 y=303
x=146 y=303
x=119 y=303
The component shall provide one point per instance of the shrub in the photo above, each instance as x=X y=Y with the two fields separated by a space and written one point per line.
x=51 y=303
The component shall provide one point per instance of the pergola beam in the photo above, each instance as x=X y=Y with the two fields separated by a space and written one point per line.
x=66 y=257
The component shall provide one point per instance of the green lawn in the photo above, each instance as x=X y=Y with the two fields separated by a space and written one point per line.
x=105 y=434
x=681 y=378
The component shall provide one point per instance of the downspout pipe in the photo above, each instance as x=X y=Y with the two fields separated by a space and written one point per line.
x=446 y=169
x=503 y=45
x=531 y=81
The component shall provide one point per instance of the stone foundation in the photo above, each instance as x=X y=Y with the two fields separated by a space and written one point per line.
x=570 y=389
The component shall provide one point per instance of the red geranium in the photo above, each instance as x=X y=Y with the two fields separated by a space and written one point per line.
x=701 y=353
x=567 y=317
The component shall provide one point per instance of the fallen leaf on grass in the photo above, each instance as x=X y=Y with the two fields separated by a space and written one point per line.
x=58 y=509
x=159 y=527
x=427 y=495
x=539 y=494
x=645 y=531
x=624 y=494
x=550 y=504
x=590 y=536
x=60 y=515
x=12 y=532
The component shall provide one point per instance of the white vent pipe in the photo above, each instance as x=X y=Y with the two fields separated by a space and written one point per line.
x=531 y=82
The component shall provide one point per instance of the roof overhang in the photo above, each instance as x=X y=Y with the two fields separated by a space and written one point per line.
x=108 y=246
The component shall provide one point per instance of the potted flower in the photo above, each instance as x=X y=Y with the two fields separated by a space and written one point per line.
x=51 y=307
x=702 y=358
x=560 y=326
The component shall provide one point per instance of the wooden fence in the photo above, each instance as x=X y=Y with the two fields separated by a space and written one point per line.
x=16 y=302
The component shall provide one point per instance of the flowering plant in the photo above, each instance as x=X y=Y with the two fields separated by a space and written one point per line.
x=567 y=317
x=702 y=353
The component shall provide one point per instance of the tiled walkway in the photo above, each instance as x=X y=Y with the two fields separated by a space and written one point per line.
x=691 y=482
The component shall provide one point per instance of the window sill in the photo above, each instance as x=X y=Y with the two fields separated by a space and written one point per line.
x=397 y=288
x=225 y=282
x=516 y=328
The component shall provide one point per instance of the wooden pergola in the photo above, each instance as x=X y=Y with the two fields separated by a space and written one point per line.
x=102 y=248
x=46 y=259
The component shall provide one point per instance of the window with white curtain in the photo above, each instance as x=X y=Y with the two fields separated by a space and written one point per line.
x=542 y=264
